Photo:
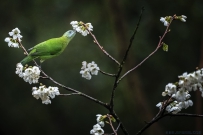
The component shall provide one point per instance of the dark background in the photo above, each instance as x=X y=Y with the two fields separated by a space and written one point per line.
x=114 y=22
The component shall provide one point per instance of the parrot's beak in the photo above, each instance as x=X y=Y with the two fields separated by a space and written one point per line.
x=74 y=32
x=70 y=33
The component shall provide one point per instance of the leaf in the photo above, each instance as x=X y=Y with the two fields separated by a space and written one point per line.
x=165 y=47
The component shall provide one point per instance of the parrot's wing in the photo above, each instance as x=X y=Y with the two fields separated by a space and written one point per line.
x=47 y=48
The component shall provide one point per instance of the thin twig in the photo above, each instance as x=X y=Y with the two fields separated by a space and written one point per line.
x=105 y=73
x=132 y=38
x=158 y=46
x=109 y=117
x=118 y=127
x=123 y=61
x=155 y=119
x=101 y=47
x=75 y=91
x=113 y=113
x=63 y=86
x=25 y=51
x=68 y=94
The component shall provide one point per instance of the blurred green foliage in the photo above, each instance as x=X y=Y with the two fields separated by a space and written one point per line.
x=114 y=22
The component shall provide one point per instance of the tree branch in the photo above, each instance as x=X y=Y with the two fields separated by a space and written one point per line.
x=109 y=117
x=63 y=86
x=101 y=47
x=123 y=61
x=105 y=73
x=155 y=119
x=158 y=46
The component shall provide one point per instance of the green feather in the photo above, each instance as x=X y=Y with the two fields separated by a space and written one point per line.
x=50 y=48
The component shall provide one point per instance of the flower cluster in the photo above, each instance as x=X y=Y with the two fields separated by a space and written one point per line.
x=183 y=18
x=82 y=27
x=45 y=93
x=97 y=130
x=89 y=69
x=30 y=74
x=166 y=20
x=179 y=91
x=14 y=39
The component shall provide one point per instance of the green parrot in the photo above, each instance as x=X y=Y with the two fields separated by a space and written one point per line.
x=50 y=48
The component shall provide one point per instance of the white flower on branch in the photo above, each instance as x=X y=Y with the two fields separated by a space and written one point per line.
x=19 y=69
x=169 y=90
x=93 y=68
x=84 y=65
x=180 y=91
x=97 y=130
x=89 y=69
x=14 y=39
x=99 y=121
x=86 y=74
x=163 y=20
x=80 y=28
x=16 y=34
x=45 y=93
x=159 y=105
x=183 y=18
x=30 y=74
x=11 y=42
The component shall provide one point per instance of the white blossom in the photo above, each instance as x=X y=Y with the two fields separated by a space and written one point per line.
x=45 y=93
x=159 y=105
x=52 y=91
x=80 y=28
x=93 y=68
x=14 y=39
x=180 y=92
x=16 y=34
x=19 y=69
x=180 y=95
x=11 y=42
x=86 y=74
x=89 y=69
x=99 y=121
x=169 y=90
x=163 y=20
x=97 y=130
x=31 y=75
x=183 y=18
x=84 y=65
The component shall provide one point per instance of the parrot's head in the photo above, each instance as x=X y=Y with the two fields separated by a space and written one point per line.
x=70 y=34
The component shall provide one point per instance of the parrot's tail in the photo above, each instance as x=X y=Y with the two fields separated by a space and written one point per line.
x=26 y=60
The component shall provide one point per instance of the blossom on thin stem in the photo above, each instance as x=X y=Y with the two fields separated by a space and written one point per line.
x=45 y=93
x=166 y=20
x=163 y=20
x=99 y=120
x=29 y=74
x=179 y=91
x=14 y=39
x=11 y=42
x=183 y=18
x=86 y=74
x=89 y=69
x=16 y=34
x=97 y=130
x=93 y=68
x=79 y=27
